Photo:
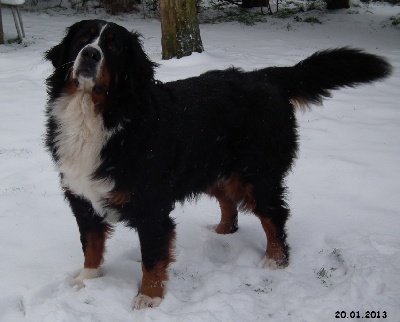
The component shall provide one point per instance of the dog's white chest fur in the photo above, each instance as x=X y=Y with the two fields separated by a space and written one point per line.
x=79 y=139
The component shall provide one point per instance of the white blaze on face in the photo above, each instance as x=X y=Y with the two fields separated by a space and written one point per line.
x=88 y=82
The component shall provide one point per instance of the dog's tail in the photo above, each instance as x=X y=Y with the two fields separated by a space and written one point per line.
x=311 y=80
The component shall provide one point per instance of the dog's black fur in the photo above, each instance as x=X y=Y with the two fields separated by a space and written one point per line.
x=229 y=133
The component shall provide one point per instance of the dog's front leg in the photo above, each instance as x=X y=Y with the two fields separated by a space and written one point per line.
x=93 y=232
x=157 y=236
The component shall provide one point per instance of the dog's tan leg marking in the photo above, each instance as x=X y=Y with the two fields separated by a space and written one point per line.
x=96 y=245
x=229 y=216
x=230 y=193
x=119 y=198
x=275 y=255
x=94 y=251
x=152 y=288
x=153 y=281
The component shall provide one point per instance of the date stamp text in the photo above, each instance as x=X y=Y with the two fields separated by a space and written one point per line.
x=361 y=315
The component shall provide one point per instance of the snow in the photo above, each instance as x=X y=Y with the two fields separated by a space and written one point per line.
x=344 y=191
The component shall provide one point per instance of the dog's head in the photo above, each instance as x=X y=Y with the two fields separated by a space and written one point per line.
x=100 y=57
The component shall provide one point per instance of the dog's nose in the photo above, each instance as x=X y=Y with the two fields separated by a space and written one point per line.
x=90 y=54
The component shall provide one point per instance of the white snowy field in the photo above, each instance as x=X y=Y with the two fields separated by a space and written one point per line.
x=344 y=191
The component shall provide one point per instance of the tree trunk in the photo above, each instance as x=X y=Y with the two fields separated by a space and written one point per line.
x=1 y=29
x=337 y=4
x=179 y=28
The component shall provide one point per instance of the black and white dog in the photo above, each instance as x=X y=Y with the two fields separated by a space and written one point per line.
x=128 y=147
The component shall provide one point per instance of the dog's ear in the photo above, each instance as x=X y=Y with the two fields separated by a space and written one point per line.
x=55 y=55
x=141 y=68
x=59 y=53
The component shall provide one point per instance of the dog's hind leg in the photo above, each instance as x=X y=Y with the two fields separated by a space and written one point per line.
x=229 y=212
x=93 y=235
x=277 y=253
x=229 y=216
x=273 y=219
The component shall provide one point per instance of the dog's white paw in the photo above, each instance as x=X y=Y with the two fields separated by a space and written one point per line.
x=143 y=301
x=272 y=263
x=86 y=274
x=268 y=263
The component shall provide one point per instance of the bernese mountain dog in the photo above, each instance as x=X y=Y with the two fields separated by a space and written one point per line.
x=128 y=147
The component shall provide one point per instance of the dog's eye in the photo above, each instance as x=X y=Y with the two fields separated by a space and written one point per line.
x=113 y=47
x=84 y=39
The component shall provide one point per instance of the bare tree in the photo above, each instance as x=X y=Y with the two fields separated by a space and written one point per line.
x=116 y=7
x=1 y=29
x=179 y=28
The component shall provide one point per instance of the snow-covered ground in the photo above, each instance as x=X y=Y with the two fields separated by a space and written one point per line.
x=344 y=191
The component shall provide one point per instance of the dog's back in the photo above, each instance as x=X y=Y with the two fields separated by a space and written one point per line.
x=243 y=122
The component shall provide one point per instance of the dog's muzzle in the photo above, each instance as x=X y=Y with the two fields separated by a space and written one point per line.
x=87 y=64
